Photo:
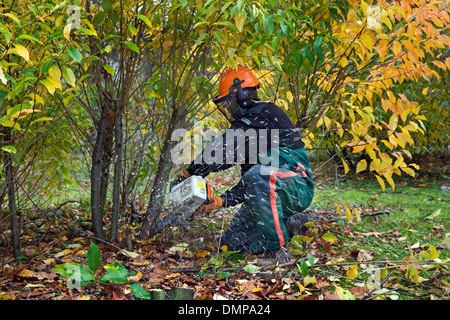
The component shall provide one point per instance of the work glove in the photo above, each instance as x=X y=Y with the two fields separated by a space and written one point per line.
x=210 y=205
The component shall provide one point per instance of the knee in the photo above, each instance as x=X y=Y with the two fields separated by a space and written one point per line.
x=256 y=184
x=252 y=175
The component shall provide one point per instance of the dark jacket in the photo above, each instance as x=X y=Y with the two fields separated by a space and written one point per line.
x=257 y=126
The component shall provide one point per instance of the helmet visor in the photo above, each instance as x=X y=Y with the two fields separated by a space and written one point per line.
x=230 y=110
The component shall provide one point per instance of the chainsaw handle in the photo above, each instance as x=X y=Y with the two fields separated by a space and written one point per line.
x=175 y=182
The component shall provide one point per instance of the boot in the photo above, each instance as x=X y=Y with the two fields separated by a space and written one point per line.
x=295 y=224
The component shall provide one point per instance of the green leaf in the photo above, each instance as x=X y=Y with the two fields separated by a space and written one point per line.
x=116 y=273
x=298 y=59
x=75 y=54
x=139 y=291
x=131 y=46
x=109 y=69
x=69 y=76
x=303 y=268
x=344 y=294
x=329 y=237
x=9 y=149
x=145 y=19
x=26 y=36
x=310 y=259
x=65 y=270
x=78 y=275
x=88 y=32
x=201 y=38
x=94 y=257
x=250 y=268
x=106 y=5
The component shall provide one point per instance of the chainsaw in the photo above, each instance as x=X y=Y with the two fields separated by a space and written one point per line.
x=186 y=195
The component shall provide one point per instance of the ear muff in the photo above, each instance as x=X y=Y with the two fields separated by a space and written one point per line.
x=244 y=99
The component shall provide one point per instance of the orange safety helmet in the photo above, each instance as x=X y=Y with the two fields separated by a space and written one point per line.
x=232 y=99
x=243 y=73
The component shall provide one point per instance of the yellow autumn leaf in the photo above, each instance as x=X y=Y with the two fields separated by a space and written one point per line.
x=358 y=149
x=26 y=273
x=50 y=85
x=11 y=124
x=54 y=72
x=289 y=96
x=66 y=31
x=22 y=51
x=306 y=238
x=396 y=48
x=2 y=75
x=36 y=97
x=352 y=273
x=338 y=209
x=348 y=214
x=136 y=277
x=23 y=113
x=366 y=40
x=412 y=273
x=393 y=121
x=329 y=237
x=309 y=280
x=345 y=166
x=201 y=253
x=48 y=261
x=357 y=214
x=173 y=275
x=389 y=179
x=409 y=171
x=344 y=294
x=179 y=247
x=68 y=251
x=375 y=164
x=239 y=20
x=361 y=166
x=434 y=253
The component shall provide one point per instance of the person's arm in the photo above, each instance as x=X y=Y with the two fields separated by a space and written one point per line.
x=234 y=196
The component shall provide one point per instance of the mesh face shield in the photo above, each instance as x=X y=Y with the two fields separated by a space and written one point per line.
x=229 y=107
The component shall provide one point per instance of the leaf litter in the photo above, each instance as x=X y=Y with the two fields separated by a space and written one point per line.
x=339 y=263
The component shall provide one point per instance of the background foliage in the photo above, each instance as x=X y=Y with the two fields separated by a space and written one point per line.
x=91 y=92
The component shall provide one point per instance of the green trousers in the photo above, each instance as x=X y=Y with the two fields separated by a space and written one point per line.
x=273 y=195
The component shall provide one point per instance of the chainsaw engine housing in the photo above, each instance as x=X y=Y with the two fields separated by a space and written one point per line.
x=187 y=196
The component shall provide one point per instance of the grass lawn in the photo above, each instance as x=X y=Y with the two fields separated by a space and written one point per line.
x=419 y=207
x=416 y=218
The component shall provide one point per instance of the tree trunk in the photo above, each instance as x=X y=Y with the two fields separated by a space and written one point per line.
x=100 y=168
x=158 y=192
x=117 y=172
x=178 y=293
x=15 y=228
